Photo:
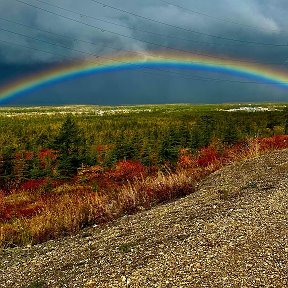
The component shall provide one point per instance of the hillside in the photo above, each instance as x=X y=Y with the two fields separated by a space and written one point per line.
x=232 y=232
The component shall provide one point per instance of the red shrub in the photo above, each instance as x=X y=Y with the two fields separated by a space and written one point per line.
x=186 y=161
x=28 y=155
x=6 y=213
x=207 y=156
x=127 y=170
x=1 y=204
x=47 y=154
x=102 y=151
x=46 y=157
x=24 y=209
x=29 y=211
x=235 y=152
x=33 y=184
x=1 y=197
x=101 y=148
x=275 y=142
x=18 y=155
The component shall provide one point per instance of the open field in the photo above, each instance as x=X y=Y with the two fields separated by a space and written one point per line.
x=93 y=110
x=66 y=168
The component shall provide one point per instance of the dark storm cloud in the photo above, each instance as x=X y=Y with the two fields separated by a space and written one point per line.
x=267 y=18
x=263 y=21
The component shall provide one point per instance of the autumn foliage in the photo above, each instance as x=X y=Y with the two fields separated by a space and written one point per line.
x=58 y=175
x=127 y=170
x=31 y=214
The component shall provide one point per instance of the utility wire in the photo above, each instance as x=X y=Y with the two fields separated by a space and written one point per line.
x=97 y=56
x=106 y=30
x=186 y=29
x=133 y=28
x=32 y=48
x=131 y=37
x=50 y=43
x=129 y=27
x=148 y=68
x=59 y=35
x=90 y=54
x=227 y=20
x=94 y=44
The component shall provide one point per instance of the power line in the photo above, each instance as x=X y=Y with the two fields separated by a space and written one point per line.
x=50 y=43
x=186 y=29
x=131 y=37
x=193 y=12
x=59 y=35
x=126 y=26
x=139 y=66
x=132 y=28
x=32 y=48
x=74 y=39
x=146 y=18
x=109 y=58
x=148 y=68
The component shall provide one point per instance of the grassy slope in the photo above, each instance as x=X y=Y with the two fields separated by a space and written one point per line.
x=232 y=232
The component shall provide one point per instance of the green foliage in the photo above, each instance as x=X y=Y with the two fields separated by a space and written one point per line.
x=153 y=137
x=6 y=167
x=169 y=150
x=37 y=284
x=70 y=144
x=230 y=134
x=69 y=137
x=206 y=125
x=127 y=247
x=286 y=121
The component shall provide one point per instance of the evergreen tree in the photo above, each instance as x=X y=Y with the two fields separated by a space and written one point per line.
x=272 y=122
x=286 y=121
x=6 y=165
x=33 y=168
x=71 y=146
x=168 y=150
x=230 y=134
x=194 y=142
x=206 y=127
x=146 y=155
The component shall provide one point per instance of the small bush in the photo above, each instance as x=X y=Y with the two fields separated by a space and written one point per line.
x=128 y=170
x=127 y=247
x=37 y=284
x=208 y=156
x=32 y=185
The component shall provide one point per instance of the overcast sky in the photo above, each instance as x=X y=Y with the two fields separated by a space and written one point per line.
x=263 y=21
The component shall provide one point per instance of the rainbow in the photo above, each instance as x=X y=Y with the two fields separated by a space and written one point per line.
x=248 y=70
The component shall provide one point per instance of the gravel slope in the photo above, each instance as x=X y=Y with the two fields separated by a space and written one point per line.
x=232 y=232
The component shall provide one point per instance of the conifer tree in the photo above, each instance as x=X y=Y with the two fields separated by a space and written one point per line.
x=6 y=165
x=71 y=146
x=230 y=134
x=286 y=121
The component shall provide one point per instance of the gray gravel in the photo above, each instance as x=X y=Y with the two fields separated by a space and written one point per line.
x=232 y=232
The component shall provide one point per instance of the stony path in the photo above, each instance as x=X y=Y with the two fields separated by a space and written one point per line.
x=232 y=232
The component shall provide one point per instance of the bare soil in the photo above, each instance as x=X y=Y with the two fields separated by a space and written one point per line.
x=232 y=232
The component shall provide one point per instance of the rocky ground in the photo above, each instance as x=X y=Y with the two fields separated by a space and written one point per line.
x=232 y=232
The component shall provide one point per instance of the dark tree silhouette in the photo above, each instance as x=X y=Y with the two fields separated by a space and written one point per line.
x=71 y=146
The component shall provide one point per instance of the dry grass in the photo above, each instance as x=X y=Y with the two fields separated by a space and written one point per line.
x=67 y=213
x=69 y=208
x=209 y=239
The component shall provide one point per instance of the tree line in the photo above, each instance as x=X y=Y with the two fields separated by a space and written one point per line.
x=37 y=147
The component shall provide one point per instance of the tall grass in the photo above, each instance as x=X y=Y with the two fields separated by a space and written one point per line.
x=30 y=216
x=68 y=213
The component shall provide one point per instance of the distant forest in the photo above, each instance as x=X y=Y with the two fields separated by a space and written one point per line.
x=36 y=147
